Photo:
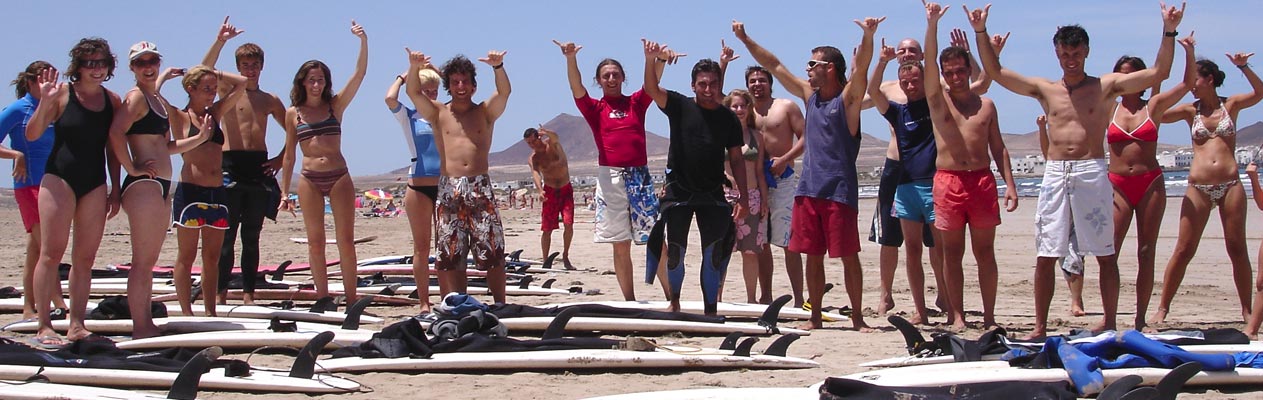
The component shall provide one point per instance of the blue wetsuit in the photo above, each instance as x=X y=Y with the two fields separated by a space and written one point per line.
x=13 y=120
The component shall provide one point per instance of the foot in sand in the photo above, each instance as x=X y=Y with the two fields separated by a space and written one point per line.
x=857 y=322
x=1035 y=335
x=1159 y=317
x=566 y=262
x=77 y=332
x=885 y=305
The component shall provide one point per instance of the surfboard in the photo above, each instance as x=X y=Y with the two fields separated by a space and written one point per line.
x=676 y=357
x=19 y=390
x=305 y=295
x=508 y=290
x=197 y=269
x=248 y=339
x=258 y=381
x=764 y=393
x=14 y=304
x=167 y=325
x=398 y=270
x=260 y=312
x=731 y=310
x=628 y=325
x=303 y=240
x=908 y=361
x=996 y=371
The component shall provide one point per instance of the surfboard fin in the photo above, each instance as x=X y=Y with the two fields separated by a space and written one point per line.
x=185 y=385
x=1173 y=382
x=743 y=349
x=38 y=377
x=277 y=326
x=324 y=304
x=730 y=341
x=557 y=328
x=279 y=274
x=525 y=282
x=1144 y=393
x=772 y=314
x=548 y=284
x=305 y=364
x=912 y=338
x=781 y=345
x=1120 y=387
x=548 y=262
x=516 y=255
x=353 y=313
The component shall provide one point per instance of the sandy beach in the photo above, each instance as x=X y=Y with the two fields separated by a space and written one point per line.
x=1206 y=300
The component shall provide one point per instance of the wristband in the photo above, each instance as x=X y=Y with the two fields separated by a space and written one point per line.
x=981 y=31
x=1244 y=66
x=1171 y=34
x=400 y=77
x=660 y=59
x=497 y=66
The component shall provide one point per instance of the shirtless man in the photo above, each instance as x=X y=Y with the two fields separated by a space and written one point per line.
x=967 y=134
x=466 y=208
x=252 y=190
x=1076 y=191
x=551 y=172
x=825 y=213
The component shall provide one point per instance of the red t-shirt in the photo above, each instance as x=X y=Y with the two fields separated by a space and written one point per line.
x=618 y=126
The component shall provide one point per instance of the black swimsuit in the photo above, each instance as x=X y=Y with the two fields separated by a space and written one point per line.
x=78 y=155
x=151 y=124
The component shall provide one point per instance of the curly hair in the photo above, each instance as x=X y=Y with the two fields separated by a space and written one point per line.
x=87 y=47
x=458 y=65
x=298 y=95
x=22 y=84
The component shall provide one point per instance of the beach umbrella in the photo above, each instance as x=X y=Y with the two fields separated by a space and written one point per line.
x=378 y=194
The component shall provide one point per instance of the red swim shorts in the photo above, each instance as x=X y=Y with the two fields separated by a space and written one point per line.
x=965 y=197
x=824 y=225
x=558 y=204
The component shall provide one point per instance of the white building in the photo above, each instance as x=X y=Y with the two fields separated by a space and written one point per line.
x=1029 y=165
x=1179 y=159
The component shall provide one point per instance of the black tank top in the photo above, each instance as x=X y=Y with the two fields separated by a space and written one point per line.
x=78 y=154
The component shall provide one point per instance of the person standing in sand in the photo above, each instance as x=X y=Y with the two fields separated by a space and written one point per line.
x=551 y=173
x=1076 y=190
x=423 y=178
x=751 y=236
x=967 y=135
x=466 y=207
x=825 y=203
x=249 y=174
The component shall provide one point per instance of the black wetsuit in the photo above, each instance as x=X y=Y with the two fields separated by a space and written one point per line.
x=78 y=155
x=252 y=196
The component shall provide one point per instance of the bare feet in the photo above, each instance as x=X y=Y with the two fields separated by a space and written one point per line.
x=857 y=322
x=1143 y=327
x=675 y=306
x=1035 y=335
x=1159 y=317
x=223 y=298
x=1105 y=326
x=141 y=332
x=989 y=323
x=885 y=305
x=76 y=333
x=247 y=298
x=919 y=318
x=1076 y=308
x=809 y=325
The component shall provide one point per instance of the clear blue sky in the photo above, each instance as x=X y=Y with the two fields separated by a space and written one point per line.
x=292 y=32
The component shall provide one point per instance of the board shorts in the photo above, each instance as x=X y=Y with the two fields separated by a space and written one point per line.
x=751 y=231
x=965 y=197
x=558 y=205
x=781 y=210
x=468 y=220
x=626 y=205
x=915 y=201
x=197 y=207
x=822 y=225
x=28 y=205
x=1077 y=196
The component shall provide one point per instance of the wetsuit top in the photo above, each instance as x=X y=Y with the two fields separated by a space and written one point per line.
x=328 y=127
x=700 y=139
x=78 y=154
x=13 y=122
x=914 y=134
x=152 y=123
x=1225 y=129
x=830 y=153
x=217 y=137
x=1146 y=132
x=420 y=136
x=618 y=126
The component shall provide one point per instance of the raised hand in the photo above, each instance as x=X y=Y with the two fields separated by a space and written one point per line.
x=739 y=29
x=869 y=24
x=49 y=88
x=1171 y=17
x=934 y=11
x=997 y=42
x=1239 y=59
x=671 y=56
x=204 y=127
x=978 y=17
x=726 y=54
x=958 y=39
x=494 y=58
x=358 y=30
x=1188 y=42
x=568 y=49
x=227 y=31
x=170 y=73
x=417 y=58
x=886 y=53
x=652 y=48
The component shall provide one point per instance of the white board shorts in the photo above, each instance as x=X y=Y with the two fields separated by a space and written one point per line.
x=1077 y=196
x=781 y=210
x=626 y=205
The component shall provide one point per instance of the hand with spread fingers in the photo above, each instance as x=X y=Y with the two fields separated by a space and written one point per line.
x=494 y=58
x=1239 y=59
x=1171 y=16
x=978 y=17
x=568 y=49
x=227 y=31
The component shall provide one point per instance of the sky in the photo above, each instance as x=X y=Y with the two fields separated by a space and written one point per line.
x=292 y=32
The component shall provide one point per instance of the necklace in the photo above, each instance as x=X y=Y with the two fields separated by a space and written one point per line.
x=1071 y=88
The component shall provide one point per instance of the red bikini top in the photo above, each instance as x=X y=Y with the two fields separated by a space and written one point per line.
x=1146 y=132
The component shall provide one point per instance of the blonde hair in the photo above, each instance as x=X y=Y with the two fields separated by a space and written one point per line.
x=428 y=75
x=194 y=75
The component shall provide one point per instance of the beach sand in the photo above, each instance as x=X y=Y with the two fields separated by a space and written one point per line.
x=1206 y=300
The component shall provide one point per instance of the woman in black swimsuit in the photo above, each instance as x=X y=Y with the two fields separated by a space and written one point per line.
x=73 y=190
x=313 y=121
x=199 y=204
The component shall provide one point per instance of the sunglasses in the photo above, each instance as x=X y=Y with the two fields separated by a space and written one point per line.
x=95 y=63
x=815 y=63
x=146 y=62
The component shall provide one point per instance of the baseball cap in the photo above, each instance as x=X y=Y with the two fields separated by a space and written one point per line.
x=142 y=48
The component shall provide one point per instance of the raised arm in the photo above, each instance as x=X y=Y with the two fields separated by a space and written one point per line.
x=428 y=108
x=226 y=32
x=653 y=87
x=236 y=88
x=1239 y=102
x=1159 y=101
x=875 y=95
x=796 y=86
x=499 y=99
x=1015 y=82
x=343 y=98
x=571 y=52
x=392 y=92
x=726 y=55
x=1146 y=78
x=932 y=80
x=853 y=93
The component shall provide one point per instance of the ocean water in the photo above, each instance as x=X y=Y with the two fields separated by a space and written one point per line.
x=1176 y=185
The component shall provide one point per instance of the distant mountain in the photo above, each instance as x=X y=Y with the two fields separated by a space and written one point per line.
x=576 y=139
x=1251 y=135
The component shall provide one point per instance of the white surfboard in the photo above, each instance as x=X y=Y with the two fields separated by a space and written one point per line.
x=14 y=304
x=111 y=289
x=765 y=393
x=626 y=325
x=18 y=390
x=167 y=325
x=508 y=290
x=258 y=381
x=734 y=310
x=677 y=357
x=260 y=312
x=908 y=361
x=996 y=371
x=303 y=240
x=247 y=339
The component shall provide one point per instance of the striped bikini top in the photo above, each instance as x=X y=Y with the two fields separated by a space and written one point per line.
x=328 y=127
